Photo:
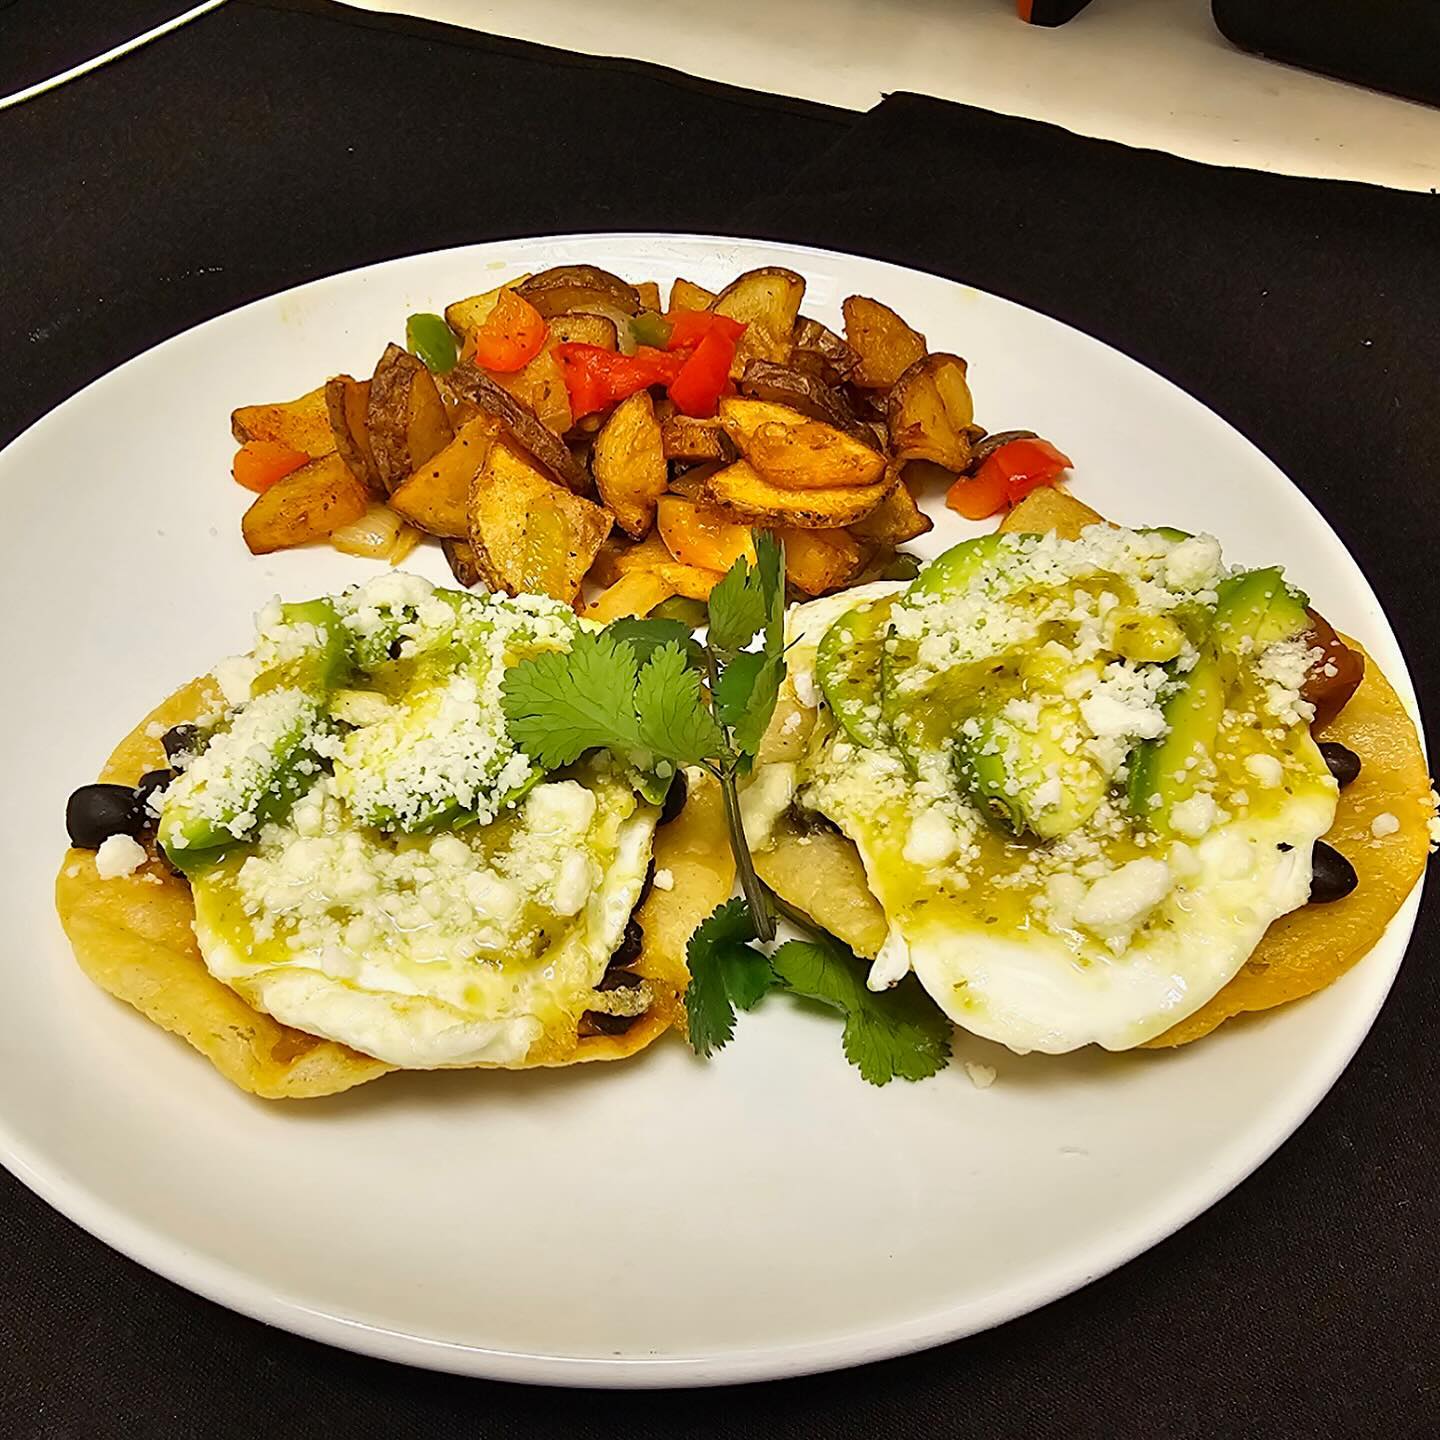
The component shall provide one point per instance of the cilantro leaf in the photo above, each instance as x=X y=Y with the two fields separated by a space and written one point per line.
x=737 y=609
x=562 y=703
x=646 y=636
x=731 y=695
x=749 y=730
x=894 y=1032
x=770 y=571
x=674 y=720
x=724 y=972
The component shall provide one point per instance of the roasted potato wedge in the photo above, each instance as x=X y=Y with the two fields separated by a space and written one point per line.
x=617 y=556
x=694 y=441
x=629 y=463
x=930 y=412
x=469 y=314
x=766 y=301
x=741 y=492
x=405 y=417
x=471 y=383
x=637 y=592
x=583 y=329
x=540 y=388
x=463 y=562
x=896 y=519
x=885 y=347
x=820 y=560
x=578 y=287
x=309 y=504
x=302 y=424
x=817 y=350
x=437 y=496
x=347 y=402
x=686 y=295
x=795 y=451
x=809 y=394
x=649 y=293
x=531 y=534
x=695 y=535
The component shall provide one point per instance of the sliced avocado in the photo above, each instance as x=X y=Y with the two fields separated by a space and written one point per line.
x=252 y=772
x=318 y=667
x=848 y=667
x=954 y=569
x=1255 y=609
x=1160 y=773
x=1023 y=778
x=1167 y=532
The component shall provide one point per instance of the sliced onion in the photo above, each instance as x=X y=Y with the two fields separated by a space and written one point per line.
x=373 y=535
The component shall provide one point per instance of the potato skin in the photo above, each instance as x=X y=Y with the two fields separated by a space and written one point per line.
x=307 y=505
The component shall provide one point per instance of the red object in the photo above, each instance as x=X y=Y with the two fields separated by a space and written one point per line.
x=596 y=377
x=689 y=327
x=697 y=389
x=1007 y=476
x=1049 y=12
x=511 y=336
x=260 y=463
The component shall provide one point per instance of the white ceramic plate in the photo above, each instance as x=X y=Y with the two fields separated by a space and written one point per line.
x=660 y=1222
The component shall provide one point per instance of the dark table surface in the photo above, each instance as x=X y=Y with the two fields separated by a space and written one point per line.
x=270 y=143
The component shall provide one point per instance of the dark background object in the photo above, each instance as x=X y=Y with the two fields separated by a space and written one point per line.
x=1049 y=12
x=1387 y=44
x=273 y=142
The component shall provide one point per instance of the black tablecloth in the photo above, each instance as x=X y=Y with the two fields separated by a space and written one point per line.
x=271 y=143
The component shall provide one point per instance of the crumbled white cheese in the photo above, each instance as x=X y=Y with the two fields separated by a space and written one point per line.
x=1266 y=769
x=1384 y=824
x=932 y=839
x=118 y=856
x=664 y=880
x=1117 y=902
x=1195 y=816
x=1193 y=564
x=235 y=677
x=982 y=1077
x=154 y=730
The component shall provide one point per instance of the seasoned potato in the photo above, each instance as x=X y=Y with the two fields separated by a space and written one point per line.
x=696 y=536
x=346 y=402
x=540 y=387
x=794 y=451
x=767 y=301
x=308 y=504
x=467 y=315
x=683 y=438
x=405 y=417
x=809 y=394
x=583 y=329
x=819 y=351
x=578 y=287
x=531 y=535
x=629 y=463
x=744 y=493
x=537 y=440
x=686 y=295
x=302 y=424
x=896 y=519
x=885 y=347
x=649 y=293
x=637 y=592
x=437 y=496
x=930 y=411
x=820 y=560
x=463 y=562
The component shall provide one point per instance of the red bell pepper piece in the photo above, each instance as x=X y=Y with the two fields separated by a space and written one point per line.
x=697 y=389
x=596 y=377
x=260 y=463
x=511 y=336
x=1007 y=476
x=689 y=327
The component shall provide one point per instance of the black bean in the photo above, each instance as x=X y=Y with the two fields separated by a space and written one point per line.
x=182 y=743
x=599 y=1023
x=150 y=784
x=1332 y=876
x=1344 y=763
x=618 y=979
x=674 y=798
x=630 y=946
x=96 y=812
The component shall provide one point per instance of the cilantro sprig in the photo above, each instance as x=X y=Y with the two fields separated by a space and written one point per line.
x=649 y=692
x=637 y=688
x=888 y=1034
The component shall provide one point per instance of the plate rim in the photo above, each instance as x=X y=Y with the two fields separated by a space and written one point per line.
x=227 y=1285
